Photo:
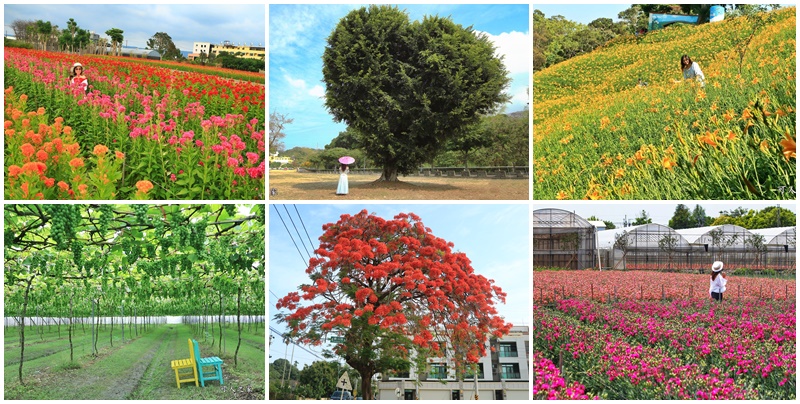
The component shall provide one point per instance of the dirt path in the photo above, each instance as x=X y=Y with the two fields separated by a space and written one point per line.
x=291 y=185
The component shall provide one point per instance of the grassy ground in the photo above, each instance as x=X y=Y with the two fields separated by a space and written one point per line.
x=139 y=368
x=291 y=185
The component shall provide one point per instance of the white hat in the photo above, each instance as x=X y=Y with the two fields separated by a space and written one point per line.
x=717 y=266
x=77 y=64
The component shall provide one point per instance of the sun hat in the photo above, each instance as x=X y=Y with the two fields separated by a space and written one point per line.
x=77 y=64
x=717 y=266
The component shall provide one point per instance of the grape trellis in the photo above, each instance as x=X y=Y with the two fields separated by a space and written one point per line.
x=84 y=261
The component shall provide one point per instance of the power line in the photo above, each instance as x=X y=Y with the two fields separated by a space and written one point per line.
x=286 y=338
x=290 y=235
x=296 y=231
x=305 y=229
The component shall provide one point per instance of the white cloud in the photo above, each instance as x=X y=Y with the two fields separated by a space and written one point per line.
x=317 y=91
x=296 y=83
x=515 y=47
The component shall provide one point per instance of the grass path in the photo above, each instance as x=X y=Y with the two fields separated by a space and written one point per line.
x=137 y=369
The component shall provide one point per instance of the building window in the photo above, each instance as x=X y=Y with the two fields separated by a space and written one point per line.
x=470 y=375
x=438 y=371
x=509 y=371
x=508 y=350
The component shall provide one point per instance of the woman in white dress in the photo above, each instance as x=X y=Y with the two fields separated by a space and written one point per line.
x=691 y=70
x=343 y=187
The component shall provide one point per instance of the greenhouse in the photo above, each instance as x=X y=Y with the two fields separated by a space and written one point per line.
x=648 y=246
x=780 y=247
x=562 y=239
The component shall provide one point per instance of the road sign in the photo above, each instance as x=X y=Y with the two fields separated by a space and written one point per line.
x=344 y=382
x=337 y=340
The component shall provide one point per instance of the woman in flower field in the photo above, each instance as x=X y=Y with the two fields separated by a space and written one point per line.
x=692 y=70
x=76 y=77
x=718 y=281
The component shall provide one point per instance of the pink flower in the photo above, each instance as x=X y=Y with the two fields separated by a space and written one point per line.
x=232 y=162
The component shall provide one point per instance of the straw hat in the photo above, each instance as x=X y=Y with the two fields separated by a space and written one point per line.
x=717 y=266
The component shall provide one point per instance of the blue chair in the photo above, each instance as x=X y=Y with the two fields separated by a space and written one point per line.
x=213 y=362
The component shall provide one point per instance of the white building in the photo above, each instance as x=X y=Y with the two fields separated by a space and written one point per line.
x=502 y=375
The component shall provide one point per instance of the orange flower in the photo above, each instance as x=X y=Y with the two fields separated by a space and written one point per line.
x=604 y=121
x=100 y=150
x=144 y=186
x=619 y=173
x=667 y=163
x=77 y=162
x=746 y=114
x=764 y=146
x=14 y=171
x=72 y=149
x=120 y=155
x=562 y=195
x=8 y=124
x=49 y=182
x=27 y=150
x=41 y=155
x=40 y=111
x=83 y=188
x=789 y=146
x=63 y=185
x=67 y=130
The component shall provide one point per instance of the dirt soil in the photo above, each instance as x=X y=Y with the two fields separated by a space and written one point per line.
x=291 y=185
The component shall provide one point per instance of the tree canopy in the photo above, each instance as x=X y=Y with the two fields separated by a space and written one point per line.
x=391 y=288
x=162 y=42
x=407 y=88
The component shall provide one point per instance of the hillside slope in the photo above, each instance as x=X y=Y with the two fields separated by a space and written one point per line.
x=597 y=135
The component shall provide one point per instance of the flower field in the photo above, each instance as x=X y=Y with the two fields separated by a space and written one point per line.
x=550 y=286
x=679 y=348
x=597 y=135
x=142 y=131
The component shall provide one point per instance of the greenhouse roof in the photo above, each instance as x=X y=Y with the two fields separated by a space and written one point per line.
x=550 y=217
x=643 y=236
x=778 y=235
x=702 y=235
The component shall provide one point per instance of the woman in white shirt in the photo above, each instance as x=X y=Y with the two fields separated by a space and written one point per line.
x=692 y=70
x=718 y=281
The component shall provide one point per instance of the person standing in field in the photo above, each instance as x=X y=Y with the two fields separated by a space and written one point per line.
x=343 y=187
x=718 y=281
x=76 y=77
x=691 y=70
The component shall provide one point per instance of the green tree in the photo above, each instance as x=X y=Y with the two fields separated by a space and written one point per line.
x=699 y=218
x=633 y=18
x=681 y=219
x=318 y=380
x=43 y=31
x=117 y=37
x=282 y=369
x=643 y=218
x=407 y=88
x=162 y=43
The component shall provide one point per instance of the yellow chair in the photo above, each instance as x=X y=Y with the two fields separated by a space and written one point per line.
x=190 y=363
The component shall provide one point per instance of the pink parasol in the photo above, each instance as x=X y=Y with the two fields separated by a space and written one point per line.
x=347 y=160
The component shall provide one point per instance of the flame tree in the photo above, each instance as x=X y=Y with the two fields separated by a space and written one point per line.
x=390 y=288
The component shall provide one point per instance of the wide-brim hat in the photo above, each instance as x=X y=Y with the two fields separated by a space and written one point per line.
x=717 y=266
x=77 y=64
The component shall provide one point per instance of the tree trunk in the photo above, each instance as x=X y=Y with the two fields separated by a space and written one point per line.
x=366 y=383
x=22 y=329
x=71 y=319
x=220 y=323
x=389 y=173
x=239 y=325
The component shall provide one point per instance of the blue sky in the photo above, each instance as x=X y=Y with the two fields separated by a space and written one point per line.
x=582 y=13
x=297 y=37
x=495 y=237
x=186 y=24
x=660 y=211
